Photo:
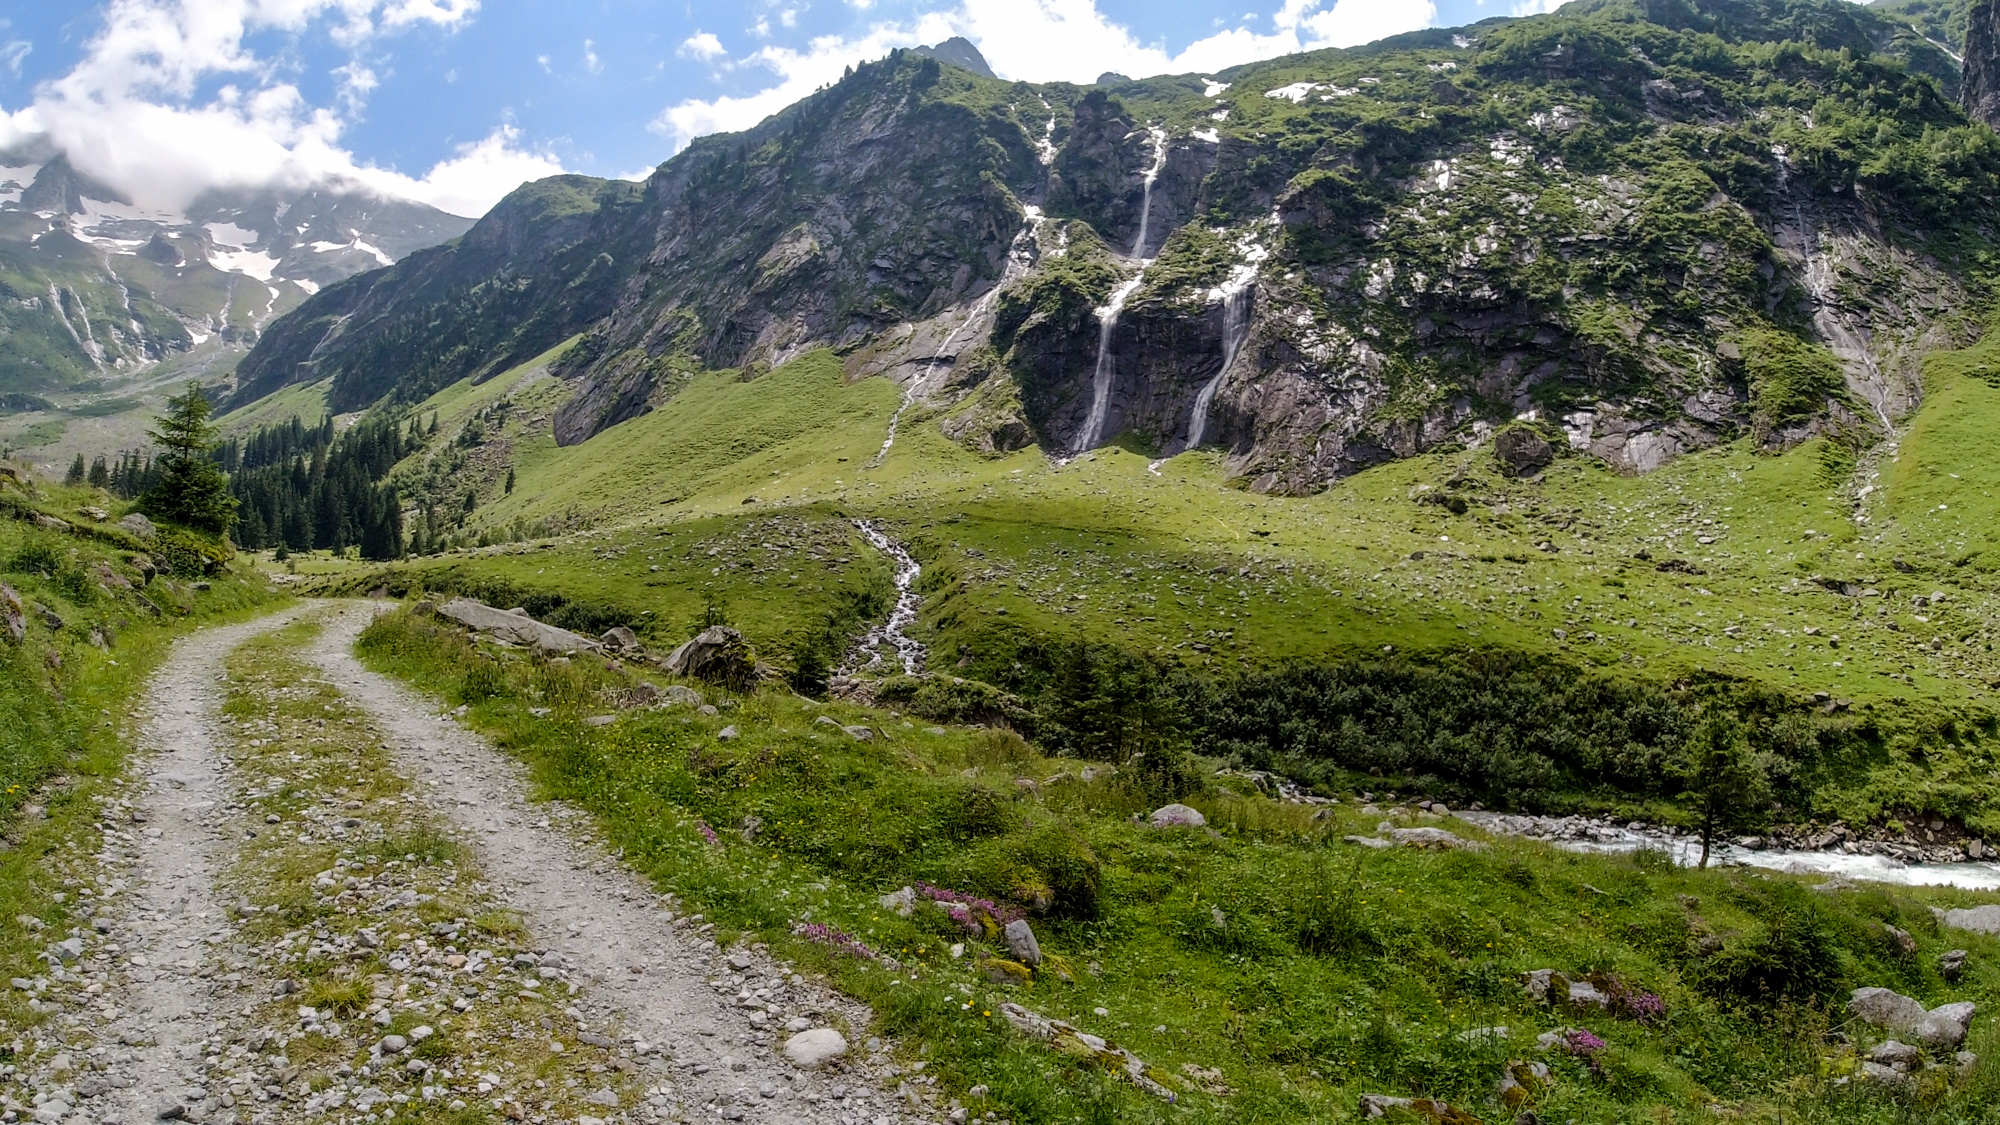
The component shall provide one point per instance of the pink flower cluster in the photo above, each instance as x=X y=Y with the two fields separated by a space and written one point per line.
x=707 y=833
x=965 y=909
x=835 y=938
x=1581 y=1042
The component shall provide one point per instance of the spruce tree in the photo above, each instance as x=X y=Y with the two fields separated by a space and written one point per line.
x=76 y=471
x=510 y=482
x=100 y=474
x=192 y=490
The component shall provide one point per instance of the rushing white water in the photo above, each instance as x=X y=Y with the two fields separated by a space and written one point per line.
x=1236 y=296
x=1101 y=374
x=1572 y=834
x=909 y=652
x=1146 y=198
x=1020 y=257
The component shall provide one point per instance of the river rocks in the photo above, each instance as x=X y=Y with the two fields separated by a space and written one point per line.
x=139 y=526
x=1944 y=1027
x=1021 y=943
x=514 y=626
x=1177 y=816
x=1977 y=920
x=717 y=654
x=1884 y=1007
x=815 y=1047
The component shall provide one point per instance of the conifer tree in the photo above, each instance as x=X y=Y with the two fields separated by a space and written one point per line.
x=192 y=490
x=76 y=471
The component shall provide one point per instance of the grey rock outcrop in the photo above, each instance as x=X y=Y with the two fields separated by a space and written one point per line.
x=1944 y=1027
x=1886 y=1007
x=1977 y=920
x=517 y=628
x=1979 y=83
x=1022 y=944
x=718 y=654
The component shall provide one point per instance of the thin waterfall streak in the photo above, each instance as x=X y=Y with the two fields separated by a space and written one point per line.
x=1235 y=333
x=1146 y=195
x=1101 y=375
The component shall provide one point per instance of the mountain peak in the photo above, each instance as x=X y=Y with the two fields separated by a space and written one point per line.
x=959 y=52
x=59 y=187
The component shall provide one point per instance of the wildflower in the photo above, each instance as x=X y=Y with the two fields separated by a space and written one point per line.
x=834 y=938
x=707 y=833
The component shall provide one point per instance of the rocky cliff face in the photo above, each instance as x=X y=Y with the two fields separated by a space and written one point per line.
x=1979 y=84
x=1615 y=224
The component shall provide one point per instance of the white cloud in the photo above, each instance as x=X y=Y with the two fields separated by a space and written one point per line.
x=13 y=53
x=1543 y=7
x=128 y=114
x=591 y=62
x=703 y=45
x=1041 y=41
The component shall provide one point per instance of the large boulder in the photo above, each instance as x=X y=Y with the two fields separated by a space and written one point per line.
x=515 y=626
x=1175 y=816
x=719 y=655
x=1885 y=1007
x=1021 y=942
x=1521 y=452
x=1978 y=920
x=1944 y=1027
x=139 y=525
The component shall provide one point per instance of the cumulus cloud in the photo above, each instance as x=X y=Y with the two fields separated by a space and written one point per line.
x=1041 y=41
x=703 y=45
x=1544 y=7
x=129 y=112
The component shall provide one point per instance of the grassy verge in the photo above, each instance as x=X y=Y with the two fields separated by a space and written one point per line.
x=93 y=629
x=1264 y=957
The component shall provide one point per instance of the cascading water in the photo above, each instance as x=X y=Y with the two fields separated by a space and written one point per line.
x=909 y=652
x=1236 y=296
x=1104 y=369
x=1146 y=198
x=1020 y=256
x=1101 y=374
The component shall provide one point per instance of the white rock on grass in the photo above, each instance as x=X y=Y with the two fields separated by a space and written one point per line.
x=1886 y=1008
x=1022 y=944
x=1944 y=1027
x=814 y=1047
x=1176 y=816
x=1978 y=920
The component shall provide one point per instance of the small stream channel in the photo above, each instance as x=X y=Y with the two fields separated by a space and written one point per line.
x=889 y=635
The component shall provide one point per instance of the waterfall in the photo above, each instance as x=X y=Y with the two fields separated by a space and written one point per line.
x=1146 y=198
x=1236 y=296
x=1101 y=374
x=1020 y=257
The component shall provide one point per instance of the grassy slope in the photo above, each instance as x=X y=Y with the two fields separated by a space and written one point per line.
x=1305 y=971
x=1162 y=558
x=68 y=707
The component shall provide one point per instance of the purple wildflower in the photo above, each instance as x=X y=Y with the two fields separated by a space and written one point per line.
x=834 y=938
x=965 y=909
x=1644 y=1006
x=1581 y=1042
x=707 y=833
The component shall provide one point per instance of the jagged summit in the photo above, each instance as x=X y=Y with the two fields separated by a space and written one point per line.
x=59 y=188
x=959 y=52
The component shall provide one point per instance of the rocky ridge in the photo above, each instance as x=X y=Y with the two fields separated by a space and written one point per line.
x=1429 y=241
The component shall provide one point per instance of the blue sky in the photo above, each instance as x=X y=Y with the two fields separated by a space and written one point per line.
x=457 y=101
